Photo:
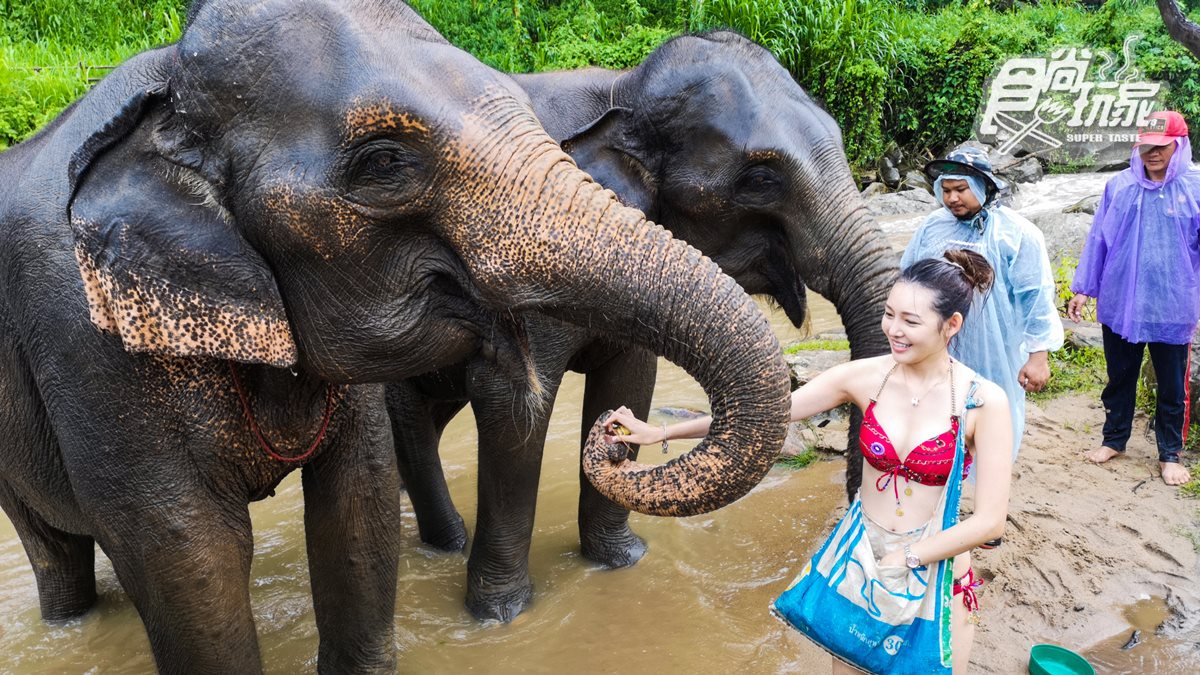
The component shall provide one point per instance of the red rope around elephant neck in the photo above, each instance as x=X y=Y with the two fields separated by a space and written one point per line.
x=263 y=442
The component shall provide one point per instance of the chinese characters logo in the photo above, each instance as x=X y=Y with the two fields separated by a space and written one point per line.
x=1071 y=106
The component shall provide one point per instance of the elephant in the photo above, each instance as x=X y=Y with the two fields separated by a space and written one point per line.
x=713 y=139
x=213 y=261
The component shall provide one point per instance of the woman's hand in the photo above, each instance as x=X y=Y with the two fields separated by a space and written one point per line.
x=640 y=433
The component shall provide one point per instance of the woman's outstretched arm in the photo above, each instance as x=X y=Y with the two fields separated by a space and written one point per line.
x=824 y=392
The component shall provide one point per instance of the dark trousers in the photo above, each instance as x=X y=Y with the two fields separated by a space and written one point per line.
x=1170 y=369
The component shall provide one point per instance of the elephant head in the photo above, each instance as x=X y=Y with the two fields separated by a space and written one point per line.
x=712 y=138
x=330 y=186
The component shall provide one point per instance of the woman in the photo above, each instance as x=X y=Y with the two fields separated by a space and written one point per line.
x=908 y=396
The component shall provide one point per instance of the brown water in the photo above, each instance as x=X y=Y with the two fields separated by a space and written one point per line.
x=1154 y=654
x=697 y=602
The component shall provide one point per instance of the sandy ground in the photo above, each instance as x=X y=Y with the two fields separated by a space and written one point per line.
x=1083 y=542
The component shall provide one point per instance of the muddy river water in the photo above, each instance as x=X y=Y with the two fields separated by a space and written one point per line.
x=696 y=603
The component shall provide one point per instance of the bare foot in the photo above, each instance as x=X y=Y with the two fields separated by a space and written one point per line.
x=1174 y=473
x=1100 y=455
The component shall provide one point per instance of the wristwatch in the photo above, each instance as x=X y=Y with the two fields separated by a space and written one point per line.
x=911 y=558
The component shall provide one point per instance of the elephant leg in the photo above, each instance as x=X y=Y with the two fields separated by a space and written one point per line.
x=510 y=463
x=185 y=563
x=63 y=564
x=417 y=425
x=351 y=517
x=626 y=379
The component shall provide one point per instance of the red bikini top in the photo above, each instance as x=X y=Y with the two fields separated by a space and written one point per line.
x=928 y=464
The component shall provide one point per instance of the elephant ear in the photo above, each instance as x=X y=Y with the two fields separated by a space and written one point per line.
x=609 y=150
x=163 y=264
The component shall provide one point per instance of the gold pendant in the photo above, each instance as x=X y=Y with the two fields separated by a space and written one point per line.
x=907 y=492
x=899 y=511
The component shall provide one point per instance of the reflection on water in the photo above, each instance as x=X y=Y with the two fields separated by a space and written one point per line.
x=697 y=601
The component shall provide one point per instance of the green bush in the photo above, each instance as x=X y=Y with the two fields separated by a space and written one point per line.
x=909 y=71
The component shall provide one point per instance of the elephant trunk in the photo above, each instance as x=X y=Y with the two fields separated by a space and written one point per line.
x=560 y=244
x=860 y=274
x=845 y=256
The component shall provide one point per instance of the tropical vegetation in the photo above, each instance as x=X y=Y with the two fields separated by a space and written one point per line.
x=905 y=71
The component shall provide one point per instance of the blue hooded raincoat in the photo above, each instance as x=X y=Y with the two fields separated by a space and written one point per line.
x=1142 y=260
x=1018 y=316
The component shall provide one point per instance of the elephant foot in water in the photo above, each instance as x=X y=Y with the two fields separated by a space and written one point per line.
x=499 y=602
x=616 y=549
x=449 y=534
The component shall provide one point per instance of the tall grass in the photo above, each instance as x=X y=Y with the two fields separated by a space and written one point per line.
x=50 y=50
x=526 y=36
x=814 y=37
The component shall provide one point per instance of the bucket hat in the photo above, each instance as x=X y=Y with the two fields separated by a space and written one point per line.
x=967 y=161
x=1162 y=128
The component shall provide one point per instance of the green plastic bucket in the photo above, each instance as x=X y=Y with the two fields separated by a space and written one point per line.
x=1055 y=660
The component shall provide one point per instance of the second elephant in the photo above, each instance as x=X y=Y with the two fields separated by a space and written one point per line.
x=711 y=138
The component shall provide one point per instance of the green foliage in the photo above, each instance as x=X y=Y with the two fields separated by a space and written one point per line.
x=798 y=461
x=817 y=346
x=908 y=71
x=1064 y=273
x=518 y=36
x=49 y=50
x=88 y=23
x=1073 y=369
x=1192 y=489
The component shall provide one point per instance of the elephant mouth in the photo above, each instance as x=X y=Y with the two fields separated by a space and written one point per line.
x=504 y=347
x=789 y=290
x=503 y=342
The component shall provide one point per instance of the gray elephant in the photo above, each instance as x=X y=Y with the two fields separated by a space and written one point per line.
x=711 y=138
x=299 y=198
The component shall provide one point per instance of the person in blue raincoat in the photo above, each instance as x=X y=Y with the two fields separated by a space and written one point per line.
x=1142 y=262
x=1013 y=327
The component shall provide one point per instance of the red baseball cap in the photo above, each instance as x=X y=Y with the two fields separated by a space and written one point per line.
x=1162 y=128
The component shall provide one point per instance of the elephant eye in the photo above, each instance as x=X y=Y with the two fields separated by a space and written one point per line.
x=385 y=163
x=384 y=172
x=758 y=185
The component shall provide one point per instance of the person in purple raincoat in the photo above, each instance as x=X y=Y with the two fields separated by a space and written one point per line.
x=1142 y=264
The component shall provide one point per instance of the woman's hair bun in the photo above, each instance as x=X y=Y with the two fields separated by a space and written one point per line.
x=975 y=268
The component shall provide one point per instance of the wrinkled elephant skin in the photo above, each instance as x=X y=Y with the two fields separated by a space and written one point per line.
x=210 y=257
x=711 y=138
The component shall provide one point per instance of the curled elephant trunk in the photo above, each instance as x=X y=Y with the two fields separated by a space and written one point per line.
x=715 y=332
x=558 y=243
